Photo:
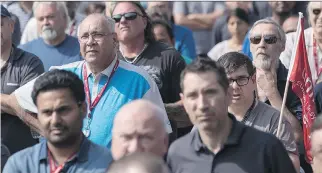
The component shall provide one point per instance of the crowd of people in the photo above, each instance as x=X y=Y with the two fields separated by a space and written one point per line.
x=156 y=87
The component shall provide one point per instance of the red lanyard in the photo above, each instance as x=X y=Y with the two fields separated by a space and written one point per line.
x=98 y=97
x=71 y=31
x=53 y=168
x=316 y=58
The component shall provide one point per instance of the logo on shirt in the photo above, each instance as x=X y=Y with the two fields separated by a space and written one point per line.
x=155 y=73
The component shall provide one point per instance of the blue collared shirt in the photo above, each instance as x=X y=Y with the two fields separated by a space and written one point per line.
x=91 y=158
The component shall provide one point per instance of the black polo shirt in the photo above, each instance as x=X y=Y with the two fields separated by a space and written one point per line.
x=293 y=103
x=20 y=68
x=246 y=150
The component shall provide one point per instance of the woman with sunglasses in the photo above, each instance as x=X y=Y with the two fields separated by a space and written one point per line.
x=238 y=24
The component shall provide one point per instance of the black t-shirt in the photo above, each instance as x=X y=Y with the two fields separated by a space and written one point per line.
x=164 y=64
x=20 y=68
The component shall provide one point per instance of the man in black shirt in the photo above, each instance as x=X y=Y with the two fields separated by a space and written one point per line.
x=17 y=68
x=220 y=143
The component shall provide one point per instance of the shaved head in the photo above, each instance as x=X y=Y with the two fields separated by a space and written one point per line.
x=106 y=21
x=290 y=24
x=139 y=163
x=138 y=127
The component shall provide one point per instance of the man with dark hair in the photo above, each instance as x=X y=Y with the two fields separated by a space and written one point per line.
x=163 y=32
x=139 y=163
x=247 y=109
x=220 y=143
x=137 y=46
x=316 y=143
x=60 y=99
x=17 y=68
x=184 y=41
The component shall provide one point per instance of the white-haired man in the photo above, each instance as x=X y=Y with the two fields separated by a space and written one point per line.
x=109 y=83
x=267 y=42
x=54 y=47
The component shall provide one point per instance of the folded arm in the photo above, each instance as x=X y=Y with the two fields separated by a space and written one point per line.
x=10 y=105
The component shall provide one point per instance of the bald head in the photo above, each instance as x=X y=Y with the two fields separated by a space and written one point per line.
x=140 y=110
x=138 y=127
x=100 y=19
x=139 y=163
x=290 y=24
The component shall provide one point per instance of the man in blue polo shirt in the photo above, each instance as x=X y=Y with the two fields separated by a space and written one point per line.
x=109 y=83
x=60 y=99
x=54 y=47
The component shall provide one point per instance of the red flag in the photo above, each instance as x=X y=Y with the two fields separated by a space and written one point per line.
x=302 y=85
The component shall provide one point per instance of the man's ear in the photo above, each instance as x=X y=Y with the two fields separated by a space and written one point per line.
x=83 y=109
x=253 y=78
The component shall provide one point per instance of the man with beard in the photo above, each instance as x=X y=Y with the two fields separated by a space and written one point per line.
x=60 y=99
x=281 y=10
x=267 y=42
x=18 y=67
x=54 y=47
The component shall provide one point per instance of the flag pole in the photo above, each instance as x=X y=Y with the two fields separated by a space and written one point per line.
x=282 y=109
x=288 y=76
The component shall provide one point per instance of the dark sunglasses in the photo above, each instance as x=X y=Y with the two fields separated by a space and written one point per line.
x=269 y=39
x=316 y=11
x=128 y=16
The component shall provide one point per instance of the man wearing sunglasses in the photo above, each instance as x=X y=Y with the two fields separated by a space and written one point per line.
x=247 y=109
x=267 y=42
x=137 y=46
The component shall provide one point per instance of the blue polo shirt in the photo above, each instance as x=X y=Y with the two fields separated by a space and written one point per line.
x=128 y=83
x=64 y=53
x=91 y=158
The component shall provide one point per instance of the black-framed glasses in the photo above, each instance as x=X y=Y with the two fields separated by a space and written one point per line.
x=96 y=36
x=241 y=81
x=269 y=39
x=316 y=11
x=128 y=16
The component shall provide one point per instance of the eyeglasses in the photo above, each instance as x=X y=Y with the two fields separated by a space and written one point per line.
x=96 y=36
x=240 y=81
x=128 y=16
x=269 y=39
x=316 y=11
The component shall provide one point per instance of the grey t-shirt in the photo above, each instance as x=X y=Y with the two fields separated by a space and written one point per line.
x=265 y=118
x=201 y=37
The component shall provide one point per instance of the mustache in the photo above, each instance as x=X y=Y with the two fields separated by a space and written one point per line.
x=57 y=126
x=44 y=28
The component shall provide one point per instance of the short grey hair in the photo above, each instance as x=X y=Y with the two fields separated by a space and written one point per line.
x=60 y=5
x=109 y=21
x=280 y=30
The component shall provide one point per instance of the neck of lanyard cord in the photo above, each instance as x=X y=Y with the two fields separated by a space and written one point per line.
x=99 y=95
x=316 y=58
x=53 y=168
x=249 y=111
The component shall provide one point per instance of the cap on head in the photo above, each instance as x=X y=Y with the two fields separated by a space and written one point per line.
x=5 y=12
